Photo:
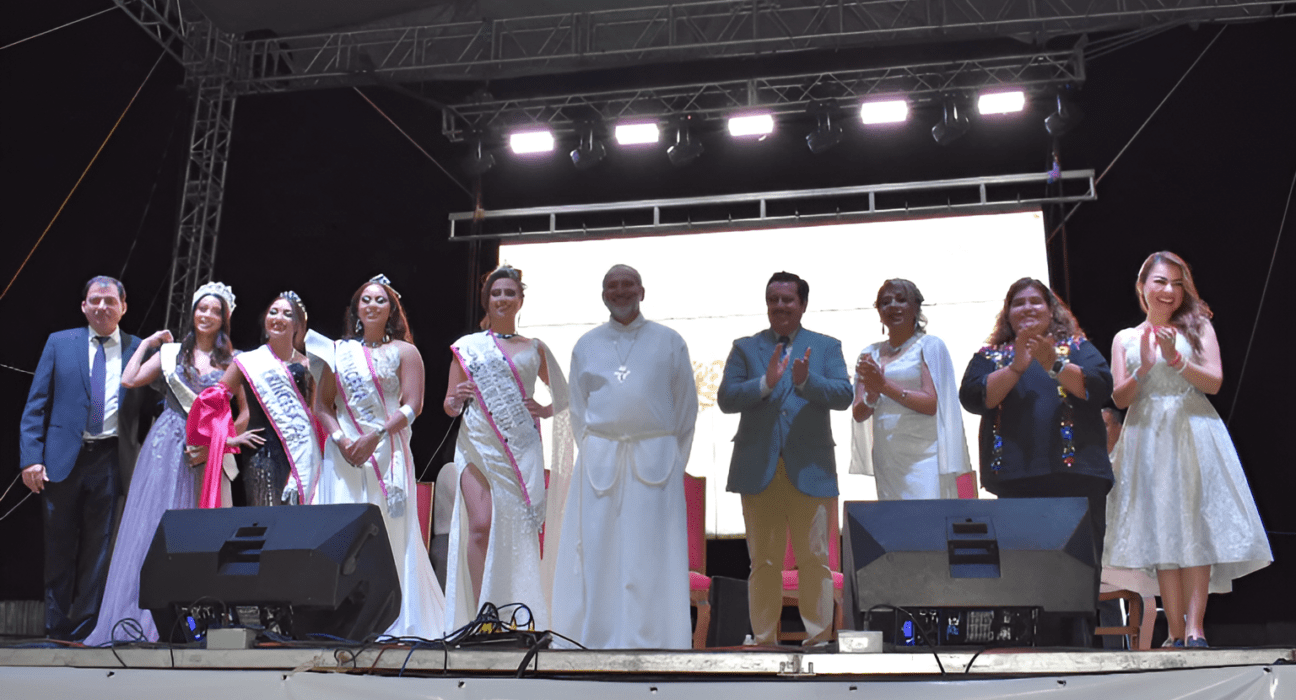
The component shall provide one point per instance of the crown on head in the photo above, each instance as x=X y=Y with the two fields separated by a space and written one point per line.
x=216 y=289
x=384 y=281
x=292 y=296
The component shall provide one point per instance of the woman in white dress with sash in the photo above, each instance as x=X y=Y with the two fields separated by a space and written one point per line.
x=367 y=400
x=494 y=548
x=908 y=427
x=1181 y=504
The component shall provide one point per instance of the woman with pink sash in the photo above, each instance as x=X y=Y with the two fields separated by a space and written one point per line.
x=494 y=548
x=283 y=466
x=369 y=395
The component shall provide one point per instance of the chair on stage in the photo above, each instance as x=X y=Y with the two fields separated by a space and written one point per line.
x=790 y=577
x=699 y=582
x=1134 y=621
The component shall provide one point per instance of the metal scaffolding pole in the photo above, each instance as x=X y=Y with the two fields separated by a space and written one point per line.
x=198 y=226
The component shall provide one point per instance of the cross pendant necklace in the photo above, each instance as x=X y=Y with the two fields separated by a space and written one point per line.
x=622 y=372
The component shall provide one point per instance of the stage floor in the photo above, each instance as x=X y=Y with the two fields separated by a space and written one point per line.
x=400 y=672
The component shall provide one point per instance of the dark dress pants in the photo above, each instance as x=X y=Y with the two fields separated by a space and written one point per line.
x=78 y=518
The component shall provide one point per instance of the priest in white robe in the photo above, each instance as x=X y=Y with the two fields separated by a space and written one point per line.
x=621 y=576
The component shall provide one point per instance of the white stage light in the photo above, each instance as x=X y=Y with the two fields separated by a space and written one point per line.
x=751 y=125
x=1001 y=102
x=636 y=134
x=884 y=112
x=524 y=142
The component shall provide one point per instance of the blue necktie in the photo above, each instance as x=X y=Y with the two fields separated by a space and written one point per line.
x=786 y=342
x=98 y=372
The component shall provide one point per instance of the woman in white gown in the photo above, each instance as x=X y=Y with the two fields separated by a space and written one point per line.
x=1181 y=503
x=367 y=400
x=494 y=546
x=908 y=429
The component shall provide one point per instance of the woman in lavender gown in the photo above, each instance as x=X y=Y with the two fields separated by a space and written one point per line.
x=164 y=474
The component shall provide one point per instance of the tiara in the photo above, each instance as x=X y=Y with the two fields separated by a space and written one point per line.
x=386 y=282
x=216 y=289
x=290 y=295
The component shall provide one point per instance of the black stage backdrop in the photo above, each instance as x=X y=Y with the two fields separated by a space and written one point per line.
x=322 y=193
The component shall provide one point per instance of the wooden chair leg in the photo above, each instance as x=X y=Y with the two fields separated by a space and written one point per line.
x=703 y=625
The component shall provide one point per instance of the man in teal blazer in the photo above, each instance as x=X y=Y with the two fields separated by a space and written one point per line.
x=784 y=381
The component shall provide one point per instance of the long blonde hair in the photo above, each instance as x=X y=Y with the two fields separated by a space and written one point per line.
x=1193 y=314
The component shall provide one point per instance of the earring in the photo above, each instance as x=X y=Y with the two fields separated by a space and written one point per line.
x=359 y=327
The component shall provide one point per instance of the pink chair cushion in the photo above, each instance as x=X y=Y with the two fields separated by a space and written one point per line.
x=790 y=580
x=424 y=496
x=967 y=486
x=698 y=582
x=834 y=545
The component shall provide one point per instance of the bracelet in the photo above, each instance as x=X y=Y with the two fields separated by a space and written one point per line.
x=455 y=405
x=336 y=436
x=408 y=413
x=904 y=394
x=873 y=403
x=1180 y=363
x=1139 y=379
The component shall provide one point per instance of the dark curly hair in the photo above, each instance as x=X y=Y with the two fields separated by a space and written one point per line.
x=1062 y=323
x=397 y=323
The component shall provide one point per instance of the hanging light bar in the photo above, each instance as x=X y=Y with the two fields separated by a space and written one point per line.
x=524 y=142
x=1001 y=102
x=884 y=112
x=751 y=125
x=637 y=134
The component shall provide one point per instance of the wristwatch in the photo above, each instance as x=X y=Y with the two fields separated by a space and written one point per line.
x=1057 y=368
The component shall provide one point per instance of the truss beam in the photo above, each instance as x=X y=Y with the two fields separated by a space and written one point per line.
x=513 y=47
x=194 y=253
x=164 y=21
x=918 y=82
x=974 y=195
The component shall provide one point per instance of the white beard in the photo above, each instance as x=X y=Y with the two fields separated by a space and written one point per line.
x=620 y=312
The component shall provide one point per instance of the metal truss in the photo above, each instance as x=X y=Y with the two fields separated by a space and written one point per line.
x=918 y=83
x=548 y=44
x=973 y=195
x=198 y=225
x=164 y=20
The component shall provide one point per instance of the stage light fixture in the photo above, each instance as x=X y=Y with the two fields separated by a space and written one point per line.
x=1064 y=119
x=826 y=134
x=589 y=152
x=478 y=161
x=751 y=125
x=1001 y=102
x=952 y=125
x=884 y=112
x=533 y=141
x=686 y=148
x=637 y=134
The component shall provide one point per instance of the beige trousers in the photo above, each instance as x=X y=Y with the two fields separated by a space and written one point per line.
x=771 y=516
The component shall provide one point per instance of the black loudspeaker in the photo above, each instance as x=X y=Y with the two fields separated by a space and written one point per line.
x=730 y=618
x=297 y=570
x=989 y=554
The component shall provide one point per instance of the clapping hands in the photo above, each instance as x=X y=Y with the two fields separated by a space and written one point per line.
x=870 y=375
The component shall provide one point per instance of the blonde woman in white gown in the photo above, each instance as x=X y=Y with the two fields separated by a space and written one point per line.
x=1181 y=504
x=494 y=545
x=908 y=427
x=368 y=398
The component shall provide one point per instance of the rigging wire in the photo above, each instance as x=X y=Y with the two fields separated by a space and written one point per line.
x=416 y=143
x=1124 y=148
x=148 y=203
x=1260 y=307
x=82 y=177
x=61 y=26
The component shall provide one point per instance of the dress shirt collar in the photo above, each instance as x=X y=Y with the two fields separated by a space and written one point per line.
x=791 y=336
x=634 y=325
x=114 y=338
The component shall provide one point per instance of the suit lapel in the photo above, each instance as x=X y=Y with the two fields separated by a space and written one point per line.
x=82 y=355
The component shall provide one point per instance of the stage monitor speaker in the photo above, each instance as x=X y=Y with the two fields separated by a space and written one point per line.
x=298 y=570
x=730 y=616
x=992 y=553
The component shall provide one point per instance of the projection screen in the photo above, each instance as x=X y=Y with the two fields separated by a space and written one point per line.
x=710 y=287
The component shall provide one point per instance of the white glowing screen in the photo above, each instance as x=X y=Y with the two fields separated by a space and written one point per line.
x=711 y=289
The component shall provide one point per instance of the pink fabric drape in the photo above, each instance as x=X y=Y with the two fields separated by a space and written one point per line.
x=211 y=421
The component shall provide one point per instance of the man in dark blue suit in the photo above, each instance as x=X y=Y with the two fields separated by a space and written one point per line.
x=78 y=447
x=783 y=462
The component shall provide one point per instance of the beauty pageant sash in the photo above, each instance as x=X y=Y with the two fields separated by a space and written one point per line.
x=275 y=390
x=500 y=394
x=361 y=394
x=170 y=356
